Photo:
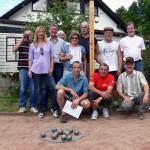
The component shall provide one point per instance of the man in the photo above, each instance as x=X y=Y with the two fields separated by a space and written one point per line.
x=133 y=46
x=133 y=88
x=25 y=81
x=74 y=87
x=85 y=42
x=108 y=53
x=58 y=69
x=100 y=86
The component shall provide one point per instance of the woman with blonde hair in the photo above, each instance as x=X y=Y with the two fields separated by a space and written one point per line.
x=73 y=52
x=41 y=61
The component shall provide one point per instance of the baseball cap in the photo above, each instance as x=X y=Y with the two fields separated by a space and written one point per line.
x=108 y=29
x=129 y=59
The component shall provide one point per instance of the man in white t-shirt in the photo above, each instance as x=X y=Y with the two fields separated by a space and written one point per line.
x=108 y=53
x=133 y=46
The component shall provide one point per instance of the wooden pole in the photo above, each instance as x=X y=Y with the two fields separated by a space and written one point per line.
x=91 y=33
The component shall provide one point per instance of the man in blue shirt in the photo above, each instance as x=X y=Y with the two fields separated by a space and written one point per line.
x=74 y=87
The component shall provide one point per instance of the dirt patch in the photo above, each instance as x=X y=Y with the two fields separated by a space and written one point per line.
x=120 y=132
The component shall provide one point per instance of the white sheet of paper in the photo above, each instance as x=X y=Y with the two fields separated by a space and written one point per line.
x=73 y=112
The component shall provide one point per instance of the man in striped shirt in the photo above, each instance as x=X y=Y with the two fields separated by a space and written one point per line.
x=23 y=47
x=133 y=88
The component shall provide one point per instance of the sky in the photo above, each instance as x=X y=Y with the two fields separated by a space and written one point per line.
x=6 y=5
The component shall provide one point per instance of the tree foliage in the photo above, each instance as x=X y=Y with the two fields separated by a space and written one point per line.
x=67 y=18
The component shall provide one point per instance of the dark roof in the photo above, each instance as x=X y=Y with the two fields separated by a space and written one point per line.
x=16 y=8
x=98 y=3
x=6 y=21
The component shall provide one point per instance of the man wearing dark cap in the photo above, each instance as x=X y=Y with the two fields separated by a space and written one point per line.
x=108 y=53
x=133 y=88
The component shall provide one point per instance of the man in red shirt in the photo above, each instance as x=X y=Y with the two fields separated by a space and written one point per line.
x=101 y=86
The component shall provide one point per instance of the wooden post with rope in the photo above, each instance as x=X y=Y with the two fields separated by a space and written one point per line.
x=91 y=33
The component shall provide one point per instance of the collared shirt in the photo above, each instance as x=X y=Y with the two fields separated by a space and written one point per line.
x=41 y=63
x=131 y=85
x=85 y=43
x=80 y=86
x=131 y=47
x=57 y=45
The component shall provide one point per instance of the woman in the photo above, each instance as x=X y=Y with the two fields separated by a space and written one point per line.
x=73 y=52
x=41 y=63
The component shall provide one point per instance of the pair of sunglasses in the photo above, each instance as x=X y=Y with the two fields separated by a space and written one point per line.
x=42 y=51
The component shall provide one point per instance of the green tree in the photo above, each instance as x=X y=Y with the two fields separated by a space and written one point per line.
x=67 y=18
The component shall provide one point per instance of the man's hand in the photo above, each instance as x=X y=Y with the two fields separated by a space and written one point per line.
x=69 y=57
x=97 y=101
x=145 y=99
x=75 y=103
x=50 y=71
x=74 y=94
x=105 y=95
x=127 y=100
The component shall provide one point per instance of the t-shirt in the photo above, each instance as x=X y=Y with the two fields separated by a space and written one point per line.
x=108 y=54
x=102 y=83
x=131 y=47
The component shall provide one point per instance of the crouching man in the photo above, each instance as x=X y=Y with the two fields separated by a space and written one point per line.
x=101 y=86
x=133 y=88
x=74 y=87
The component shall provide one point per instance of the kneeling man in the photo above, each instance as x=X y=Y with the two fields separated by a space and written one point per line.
x=101 y=86
x=133 y=88
x=74 y=87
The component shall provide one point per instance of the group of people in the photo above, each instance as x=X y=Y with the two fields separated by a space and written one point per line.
x=62 y=68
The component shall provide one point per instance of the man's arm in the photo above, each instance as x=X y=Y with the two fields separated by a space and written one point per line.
x=51 y=67
x=85 y=64
x=17 y=46
x=63 y=58
x=146 y=94
x=93 y=89
x=142 y=53
x=120 y=58
x=97 y=54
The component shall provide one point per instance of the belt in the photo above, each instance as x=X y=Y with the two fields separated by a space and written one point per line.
x=138 y=60
x=57 y=63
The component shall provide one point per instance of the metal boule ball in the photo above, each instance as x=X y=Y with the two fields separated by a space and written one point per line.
x=76 y=132
x=67 y=133
x=63 y=137
x=70 y=130
x=43 y=134
x=56 y=133
x=69 y=138
x=54 y=129
x=60 y=131
x=54 y=136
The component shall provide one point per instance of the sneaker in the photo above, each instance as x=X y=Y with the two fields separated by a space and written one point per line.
x=55 y=113
x=22 y=110
x=105 y=113
x=117 y=108
x=63 y=119
x=140 y=116
x=94 y=115
x=41 y=115
x=34 y=110
x=148 y=106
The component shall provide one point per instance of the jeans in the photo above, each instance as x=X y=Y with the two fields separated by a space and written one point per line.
x=136 y=101
x=50 y=85
x=139 y=66
x=25 y=83
x=39 y=84
x=58 y=72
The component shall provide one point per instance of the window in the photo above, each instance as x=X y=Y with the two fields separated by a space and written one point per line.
x=40 y=5
x=87 y=9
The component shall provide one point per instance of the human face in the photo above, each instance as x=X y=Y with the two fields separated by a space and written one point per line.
x=108 y=36
x=76 y=68
x=61 y=36
x=131 y=30
x=30 y=36
x=53 y=31
x=41 y=33
x=74 y=40
x=84 y=29
x=129 y=67
x=103 y=70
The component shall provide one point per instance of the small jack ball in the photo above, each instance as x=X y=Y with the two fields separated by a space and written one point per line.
x=43 y=134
